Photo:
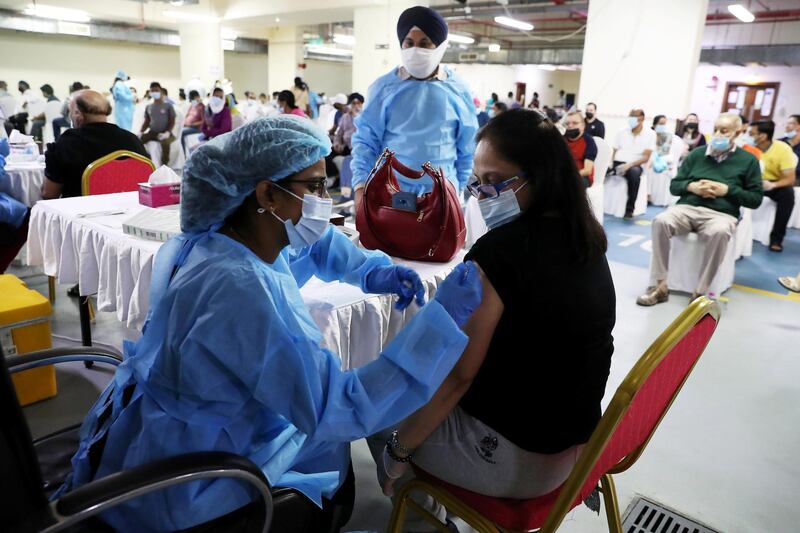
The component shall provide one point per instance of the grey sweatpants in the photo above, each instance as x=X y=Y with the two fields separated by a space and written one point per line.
x=714 y=227
x=464 y=451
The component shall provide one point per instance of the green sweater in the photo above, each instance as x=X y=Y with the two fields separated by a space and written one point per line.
x=739 y=171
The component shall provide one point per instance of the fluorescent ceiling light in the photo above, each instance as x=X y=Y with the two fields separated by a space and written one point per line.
x=494 y=47
x=191 y=17
x=741 y=13
x=341 y=38
x=176 y=3
x=547 y=67
x=227 y=44
x=228 y=35
x=514 y=23
x=58 y=13
x=329 y=51
x=460 y=39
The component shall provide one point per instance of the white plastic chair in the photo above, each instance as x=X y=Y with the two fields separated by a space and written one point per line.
x=686 y=259
x=615 y=196
x=597 y=191
x=658 y=182
x=52 y=110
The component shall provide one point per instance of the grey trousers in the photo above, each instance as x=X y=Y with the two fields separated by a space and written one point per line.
x=465 y=452
x=715 y=228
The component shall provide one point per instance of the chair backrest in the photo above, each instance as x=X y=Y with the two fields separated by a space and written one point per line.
x=22 y=492
x=603 y=159
x=119 y=171
x=639 y=405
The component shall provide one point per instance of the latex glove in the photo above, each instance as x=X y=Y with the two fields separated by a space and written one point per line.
x=398 y=280
x=461 y=292
x=389 y=471
x=163 y=136
x=622 y=169
x=767 y=185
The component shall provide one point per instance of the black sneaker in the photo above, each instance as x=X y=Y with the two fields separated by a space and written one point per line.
x=628 y=215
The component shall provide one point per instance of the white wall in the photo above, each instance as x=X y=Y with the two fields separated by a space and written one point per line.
x=60 y=60
x=483 y=80
x=248 y=72
x=707 y=100
x=329 y=77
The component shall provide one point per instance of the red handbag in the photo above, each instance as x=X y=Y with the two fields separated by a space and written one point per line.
x=434 y=232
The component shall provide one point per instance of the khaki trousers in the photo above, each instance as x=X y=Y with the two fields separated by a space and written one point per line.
x=715 y=228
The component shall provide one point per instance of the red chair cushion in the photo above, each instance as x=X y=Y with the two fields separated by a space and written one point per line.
x=509 y=513
x=119 y=175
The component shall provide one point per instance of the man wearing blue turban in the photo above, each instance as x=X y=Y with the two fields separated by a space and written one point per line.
x=421 y=110
x=230 y=358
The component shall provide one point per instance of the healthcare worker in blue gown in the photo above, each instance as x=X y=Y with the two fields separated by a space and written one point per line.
x=421 y=110
x=123 y=101
x=230 y=358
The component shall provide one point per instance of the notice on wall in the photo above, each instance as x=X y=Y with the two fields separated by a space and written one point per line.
x=766 y=105
x=732 y=97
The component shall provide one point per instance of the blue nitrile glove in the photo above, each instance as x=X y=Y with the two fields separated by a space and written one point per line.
x=461 y=292
x=398 y=280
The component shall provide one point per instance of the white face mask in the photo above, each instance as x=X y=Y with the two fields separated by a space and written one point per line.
x=156 y=95
x=215 y=103
x=313 y=221
x=421 y=62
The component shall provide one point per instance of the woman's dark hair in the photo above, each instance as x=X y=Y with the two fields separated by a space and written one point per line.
x=682 y=130
x=300 y=84
x=533 y=143
x=495 y=97
x=193 y=94
x=288 y=97
x=656 y=119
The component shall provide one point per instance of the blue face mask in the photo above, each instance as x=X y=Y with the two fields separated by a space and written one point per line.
x=720 y=144
x=501 y=209
x=661 y=128
x=633 y=122
x=313 y=222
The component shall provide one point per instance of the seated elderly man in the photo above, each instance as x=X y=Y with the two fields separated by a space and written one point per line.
x=713 y=183
x=90 y=139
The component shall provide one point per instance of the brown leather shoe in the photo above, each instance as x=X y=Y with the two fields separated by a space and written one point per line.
x=653 y=296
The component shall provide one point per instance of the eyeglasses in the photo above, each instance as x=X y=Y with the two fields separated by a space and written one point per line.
x=489 y=190
x=314 y=186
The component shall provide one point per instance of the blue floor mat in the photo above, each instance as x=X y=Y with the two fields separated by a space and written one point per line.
x=629 y=243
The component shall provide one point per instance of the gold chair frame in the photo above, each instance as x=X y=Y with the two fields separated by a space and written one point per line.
x=593 y=450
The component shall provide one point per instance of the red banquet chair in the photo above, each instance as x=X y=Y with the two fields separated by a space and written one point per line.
x=119 y=171
x=627 y=425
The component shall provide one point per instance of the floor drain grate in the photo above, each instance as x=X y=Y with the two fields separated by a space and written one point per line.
x=645 y=516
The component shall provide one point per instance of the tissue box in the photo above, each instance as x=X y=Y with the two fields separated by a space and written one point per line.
x=159 y=195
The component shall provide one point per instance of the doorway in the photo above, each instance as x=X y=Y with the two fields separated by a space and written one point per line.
x=754 y=101
x=520 y=93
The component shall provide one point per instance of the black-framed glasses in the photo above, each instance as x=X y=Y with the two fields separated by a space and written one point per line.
x=489 y=190
x=316 y=186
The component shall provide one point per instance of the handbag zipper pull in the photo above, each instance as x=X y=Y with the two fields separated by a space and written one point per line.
x=421 y=214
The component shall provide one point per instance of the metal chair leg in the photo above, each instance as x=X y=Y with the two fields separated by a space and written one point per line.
x=51 y=287
x=611 y=503
x=86 y=324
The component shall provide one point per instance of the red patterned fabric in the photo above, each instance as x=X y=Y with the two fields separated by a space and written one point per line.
x=119 y=175
x=637 y=424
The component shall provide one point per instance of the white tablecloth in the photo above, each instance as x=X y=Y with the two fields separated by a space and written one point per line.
x=25 y=181
x=94 y=252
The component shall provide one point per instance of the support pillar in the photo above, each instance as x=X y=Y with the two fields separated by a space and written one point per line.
x=641 y=54
x=377 y=49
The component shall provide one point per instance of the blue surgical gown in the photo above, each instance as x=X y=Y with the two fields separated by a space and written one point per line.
x=230 y=360
x=123 y=105
x=420 y=121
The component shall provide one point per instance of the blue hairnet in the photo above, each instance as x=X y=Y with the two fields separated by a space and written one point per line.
x=122 y=75
x=221 y=173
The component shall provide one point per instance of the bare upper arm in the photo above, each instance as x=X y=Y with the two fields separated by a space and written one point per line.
x=480 y=329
